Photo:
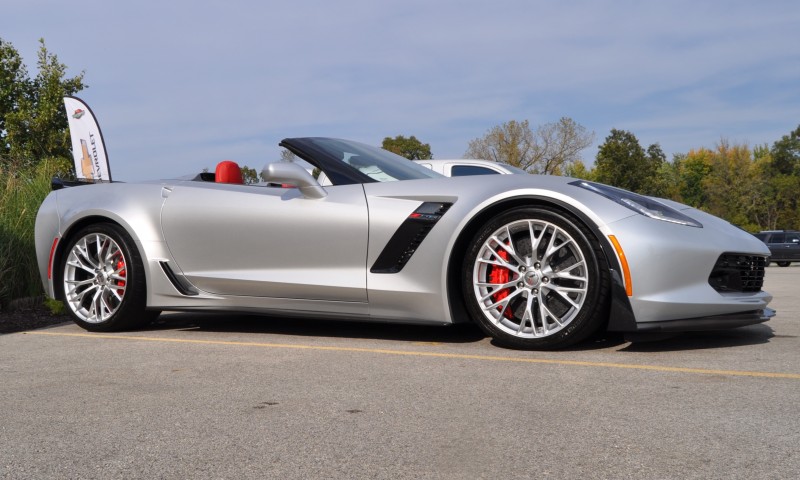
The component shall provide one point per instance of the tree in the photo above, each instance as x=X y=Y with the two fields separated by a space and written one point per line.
x=729 y=185
x=410 y=147
x=784 y=180
x=14 y=85
x=550 y=149
x=693 y=168
x=786 y=154
x=622 y=162
x=578 y=169
x=35 y=126
x=287 y=156
x=560 y=145
x=249 y=175
x=511 y=143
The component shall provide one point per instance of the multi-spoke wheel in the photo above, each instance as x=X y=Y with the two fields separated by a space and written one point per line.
x=532 y=280
x=103 y=279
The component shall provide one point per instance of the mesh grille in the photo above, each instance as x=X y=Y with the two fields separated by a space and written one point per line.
x=738 y=273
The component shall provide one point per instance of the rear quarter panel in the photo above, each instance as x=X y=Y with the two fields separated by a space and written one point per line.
x=135 y=207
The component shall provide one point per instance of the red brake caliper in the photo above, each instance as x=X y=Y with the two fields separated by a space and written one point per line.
x=121 y=283
x=501 y=275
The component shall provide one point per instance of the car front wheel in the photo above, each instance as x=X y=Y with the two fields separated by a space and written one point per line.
x=532 y=279
x=103 y=281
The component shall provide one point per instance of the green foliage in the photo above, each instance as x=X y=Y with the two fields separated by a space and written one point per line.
x=14 y=85
x=34 y=147
x=32 y=117
x=692 y=169
x=578 y=170
x=410 y=147
x=729 y=184
x=622 y=162
x=21 y=193
x=249 y=175
x=56 y=307
x=786 y=154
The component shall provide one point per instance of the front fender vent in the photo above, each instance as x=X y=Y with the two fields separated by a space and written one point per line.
x=738 y=273
x=407 y=239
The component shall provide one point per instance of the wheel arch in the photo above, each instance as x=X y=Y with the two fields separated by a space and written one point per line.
x=620 y=313
x=77 y=226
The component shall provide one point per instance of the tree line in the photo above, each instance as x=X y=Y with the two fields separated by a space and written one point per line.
x=754 y=188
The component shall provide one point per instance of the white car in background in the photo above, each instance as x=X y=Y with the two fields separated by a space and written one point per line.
x=467 y=167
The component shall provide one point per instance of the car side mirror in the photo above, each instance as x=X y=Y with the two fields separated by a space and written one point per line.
x=287 y=172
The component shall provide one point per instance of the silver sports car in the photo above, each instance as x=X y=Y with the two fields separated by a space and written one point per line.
x=537 y=262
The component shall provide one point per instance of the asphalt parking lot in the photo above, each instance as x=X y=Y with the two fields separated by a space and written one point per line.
x=199 y=396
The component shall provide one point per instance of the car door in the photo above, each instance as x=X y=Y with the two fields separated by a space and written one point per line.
x=792 y=246
x=775 y=242
x=267 y=241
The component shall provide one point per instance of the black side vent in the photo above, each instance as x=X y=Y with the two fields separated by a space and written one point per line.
x=735 y=272
x=179 y=281
x=407 y=239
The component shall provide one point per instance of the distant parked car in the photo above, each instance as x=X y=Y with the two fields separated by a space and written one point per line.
x=466 y=167
x=784 y=245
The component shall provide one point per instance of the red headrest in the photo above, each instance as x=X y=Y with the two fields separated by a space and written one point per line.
x=228 y=172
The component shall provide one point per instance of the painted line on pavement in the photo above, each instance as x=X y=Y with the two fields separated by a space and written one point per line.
x=459 y=356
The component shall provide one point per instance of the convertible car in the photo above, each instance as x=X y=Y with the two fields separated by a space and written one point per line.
x=538 y=262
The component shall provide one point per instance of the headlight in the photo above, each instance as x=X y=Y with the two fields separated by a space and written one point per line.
x=639 y=203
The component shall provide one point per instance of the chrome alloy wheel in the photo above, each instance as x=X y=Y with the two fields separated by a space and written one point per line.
x=530 y=278
x=95 y=278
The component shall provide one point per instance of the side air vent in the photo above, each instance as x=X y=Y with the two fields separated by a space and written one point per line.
x=735 y=272
x=407 y=239
x=179 y=281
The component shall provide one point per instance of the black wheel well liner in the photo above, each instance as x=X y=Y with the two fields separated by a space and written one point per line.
x=621 y=316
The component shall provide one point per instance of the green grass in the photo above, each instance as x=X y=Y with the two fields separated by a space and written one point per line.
x=21 y=193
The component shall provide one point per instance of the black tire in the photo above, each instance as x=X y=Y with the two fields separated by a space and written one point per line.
x=101 y=280
x=546 y=301
x=784 y=264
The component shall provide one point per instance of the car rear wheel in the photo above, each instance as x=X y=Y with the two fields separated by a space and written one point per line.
x=102 y=280
x=532 y=279
x=784 y=264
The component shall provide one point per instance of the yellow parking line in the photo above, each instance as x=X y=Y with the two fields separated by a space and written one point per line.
x=459 y=356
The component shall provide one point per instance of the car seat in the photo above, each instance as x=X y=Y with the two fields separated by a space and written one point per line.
x=228 y=172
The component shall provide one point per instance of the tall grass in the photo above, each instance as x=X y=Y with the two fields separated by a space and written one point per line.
x=21 y=194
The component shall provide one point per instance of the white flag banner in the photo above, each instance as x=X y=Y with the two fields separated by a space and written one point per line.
x=88 y=147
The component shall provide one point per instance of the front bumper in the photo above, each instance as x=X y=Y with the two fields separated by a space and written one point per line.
x=714 y=322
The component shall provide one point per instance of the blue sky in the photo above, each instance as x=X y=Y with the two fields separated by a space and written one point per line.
x=180 y=85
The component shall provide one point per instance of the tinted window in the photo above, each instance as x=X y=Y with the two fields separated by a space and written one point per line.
x=792 y=238
x=777 y=238
x=466 y=170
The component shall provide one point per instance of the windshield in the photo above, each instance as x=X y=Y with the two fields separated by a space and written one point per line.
x=373 y=163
